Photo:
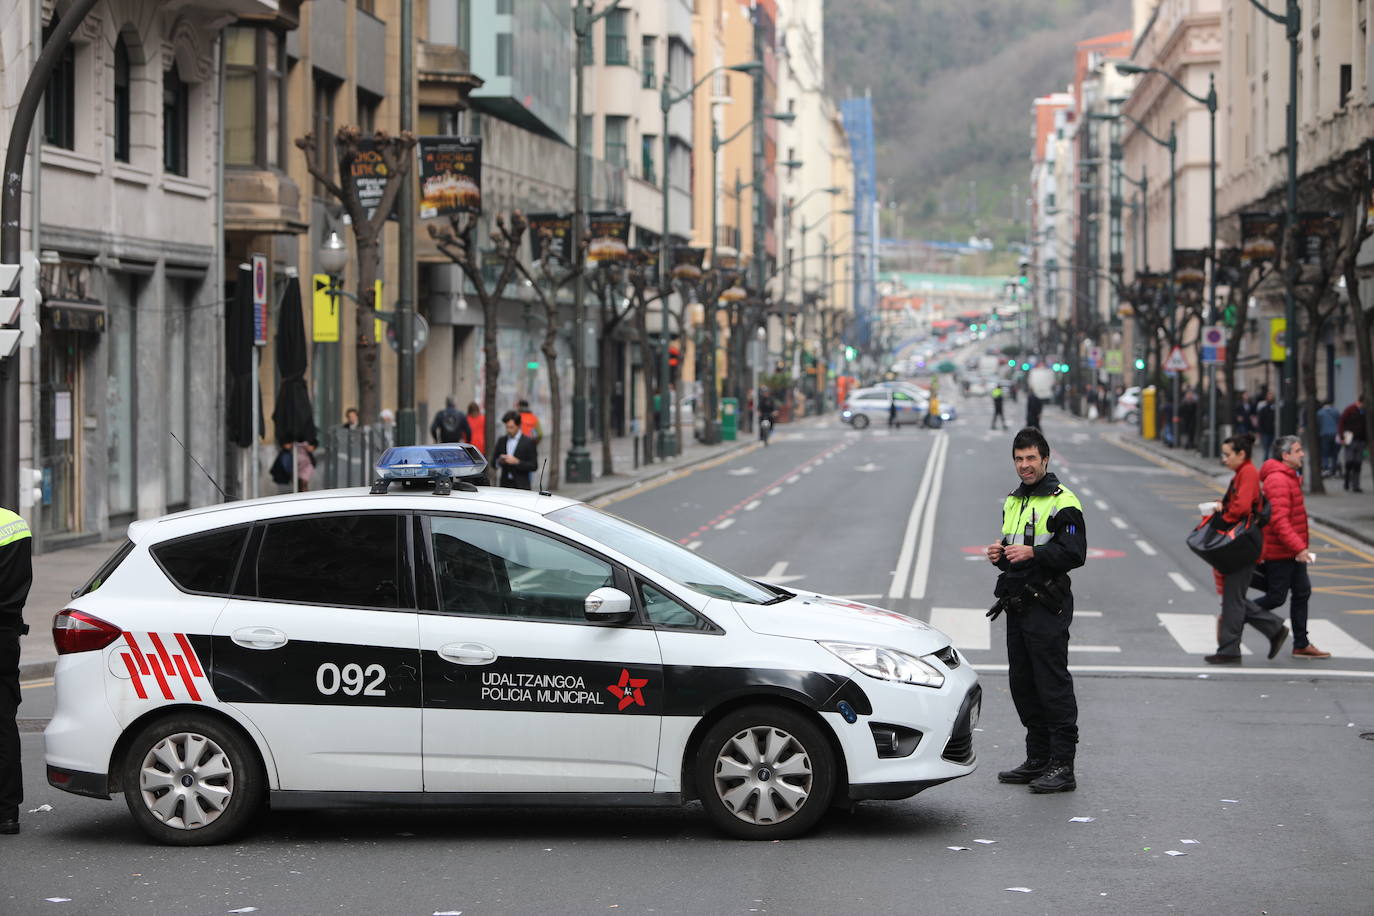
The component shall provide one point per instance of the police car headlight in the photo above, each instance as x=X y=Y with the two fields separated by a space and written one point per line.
x=886 y=664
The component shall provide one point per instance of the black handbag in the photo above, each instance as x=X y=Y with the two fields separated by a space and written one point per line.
x=1229 y=548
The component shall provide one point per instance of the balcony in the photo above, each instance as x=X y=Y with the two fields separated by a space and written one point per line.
x=445 y=76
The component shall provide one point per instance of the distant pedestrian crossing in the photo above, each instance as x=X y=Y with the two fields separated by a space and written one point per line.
x=1185 y=635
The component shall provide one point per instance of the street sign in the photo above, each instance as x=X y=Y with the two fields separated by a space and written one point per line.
x=324 y=310
x=1176 y=362
x=1213 y=345
x=1278 y=339
x=418 y=341
x=1114 y=364
x=260 y=300
x=1094 y=357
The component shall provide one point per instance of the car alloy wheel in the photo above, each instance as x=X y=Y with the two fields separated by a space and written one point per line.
x=765 y=773
x=191 y=782
x=860 y=421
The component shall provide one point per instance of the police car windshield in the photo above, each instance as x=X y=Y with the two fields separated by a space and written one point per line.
x=662 y=555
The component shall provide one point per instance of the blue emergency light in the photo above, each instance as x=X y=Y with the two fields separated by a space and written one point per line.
x=442 y=467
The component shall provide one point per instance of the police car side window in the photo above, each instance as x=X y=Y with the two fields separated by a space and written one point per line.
x=496 y=570
x=666 y=611
x=349 y=560
x=203 y=562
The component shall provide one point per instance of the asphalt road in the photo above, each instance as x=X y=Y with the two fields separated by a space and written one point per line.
x=1263 y=766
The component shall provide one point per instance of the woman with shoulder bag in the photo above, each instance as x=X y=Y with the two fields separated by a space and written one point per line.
x=1242 y=499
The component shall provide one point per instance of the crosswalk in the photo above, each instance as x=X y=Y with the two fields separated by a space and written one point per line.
x=1189 y=634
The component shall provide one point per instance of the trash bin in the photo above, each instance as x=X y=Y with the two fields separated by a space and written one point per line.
x=729 y=419
x=1149 y=413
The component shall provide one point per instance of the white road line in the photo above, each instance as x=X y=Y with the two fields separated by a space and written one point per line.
x=1202 y=670
x=1329 y=637
x=775 y=491
x=694 y=545
x=725 y=524
x=858 y=597
x=794 y=478
x=808 y=469
x=1116 y=520
x=967 y=627
x=1145 y=548
x=1182 y=582
x=751 y=506
x=778 y=569
x=1078 y=613
x=1086 y=492
x=903 y=570
x=1073 y=648
x=921 y=576
x=1101 y=505
x=1195 y=634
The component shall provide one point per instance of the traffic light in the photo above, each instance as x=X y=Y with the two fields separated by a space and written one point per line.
x=851 y=353
x=1012 y=363
x=1140 y=364
x=1025 y=367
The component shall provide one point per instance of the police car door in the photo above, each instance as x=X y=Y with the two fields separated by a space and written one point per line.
x=908 y=410
x=319 y=648
x=521 y=692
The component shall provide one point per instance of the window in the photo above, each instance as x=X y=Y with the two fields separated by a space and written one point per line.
x=346 y=560
x=647 y=62
x=326 y=89
x=617 y=38
x=437 y=121
x=367 y=112
x=666 y=611
x=175 y=127
x=450 y=23
x=368 y=6
x=616 y=128
x=505 y=7
x=106 y=569
x=253 y=96
x=59 y=102
x=121 y=100
x=494 y=570
x=505 y=50
x=1345 y=84
x=203 y=562
x=646 y=158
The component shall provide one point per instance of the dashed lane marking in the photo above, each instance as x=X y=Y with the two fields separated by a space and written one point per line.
x=1101 y=505
x=752 y=505
x=1116 y=520
x=794 y=478
x=1146 y=549
x=1182 y=582
x=724 y=523
x=775 y=491
x=694 y=545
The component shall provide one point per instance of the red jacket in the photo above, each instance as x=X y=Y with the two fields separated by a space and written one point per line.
x=1241 y=498
x=1286 y=534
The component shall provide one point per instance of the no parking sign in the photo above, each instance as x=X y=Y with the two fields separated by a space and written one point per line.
x=1213 y=345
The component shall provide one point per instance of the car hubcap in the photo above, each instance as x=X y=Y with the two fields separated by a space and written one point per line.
x=763 y=775
x=186 y=781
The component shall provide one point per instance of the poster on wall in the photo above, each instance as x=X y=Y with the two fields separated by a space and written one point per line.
x=551 y=234
x=687 y=262
x=450 y=176
x=369 y=174
x=1190 y=269
x=1229 y=271
x=1315 y=230
x=609 y=235
x=1259 y=237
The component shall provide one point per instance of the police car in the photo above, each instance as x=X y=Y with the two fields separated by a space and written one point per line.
x=430 y=642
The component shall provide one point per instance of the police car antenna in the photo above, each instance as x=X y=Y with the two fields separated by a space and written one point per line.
x=199 y=465
x=542 y=468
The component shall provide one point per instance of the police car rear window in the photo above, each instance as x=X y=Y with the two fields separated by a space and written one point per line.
x=106 y=569
x=203 y=563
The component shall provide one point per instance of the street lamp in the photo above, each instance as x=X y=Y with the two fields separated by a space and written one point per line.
x=1210 y=101
x=667 y=434
x=333 y=254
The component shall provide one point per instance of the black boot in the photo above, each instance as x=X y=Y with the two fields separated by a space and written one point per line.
x=1027 y=771
x=1058 y=777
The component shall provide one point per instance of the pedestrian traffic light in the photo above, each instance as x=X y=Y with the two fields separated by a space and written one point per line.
x=850 y=353
x=1140 y=364
x=532 y=365
x=1025 y=367
x=1012 y=363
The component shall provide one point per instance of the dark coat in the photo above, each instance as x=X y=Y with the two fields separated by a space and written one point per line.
x=516 y=475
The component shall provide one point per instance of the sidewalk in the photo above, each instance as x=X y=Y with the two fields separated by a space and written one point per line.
x=1352 y=514
x=57 y=573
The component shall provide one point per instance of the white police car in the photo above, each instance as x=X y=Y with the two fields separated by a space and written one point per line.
x=451 y=645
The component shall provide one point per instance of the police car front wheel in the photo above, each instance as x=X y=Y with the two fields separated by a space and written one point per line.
x=765 y=773
x=191 y=781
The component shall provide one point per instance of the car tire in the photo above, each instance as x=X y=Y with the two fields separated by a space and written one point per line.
x=192 y=781
x=860 y=421
x=765 y=773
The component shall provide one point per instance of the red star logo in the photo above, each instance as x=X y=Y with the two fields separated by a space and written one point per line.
x=629 y=690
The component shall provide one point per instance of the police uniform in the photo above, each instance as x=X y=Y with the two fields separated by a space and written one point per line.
x=16 y=575
x=1048 y=517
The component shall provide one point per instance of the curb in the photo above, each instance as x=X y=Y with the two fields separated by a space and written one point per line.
x=36 y=671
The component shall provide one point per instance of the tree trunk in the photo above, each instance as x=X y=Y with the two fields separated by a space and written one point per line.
x=369 y=402
x=646 y=361
x=550 y=350
x=1308 y=367
x=1364 y=347
x=491 y=366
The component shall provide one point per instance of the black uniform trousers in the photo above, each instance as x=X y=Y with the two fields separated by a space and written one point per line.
x=1041 y=686
x=11 y=779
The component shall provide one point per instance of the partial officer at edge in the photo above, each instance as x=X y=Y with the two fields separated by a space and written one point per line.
x=16 y=576
x=1043 y=537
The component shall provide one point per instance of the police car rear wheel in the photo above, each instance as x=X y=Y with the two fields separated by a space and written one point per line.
x=860 y=421
x=191 y=781
x=765 y=773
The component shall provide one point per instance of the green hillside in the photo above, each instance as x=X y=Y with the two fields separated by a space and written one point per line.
x=952 y=86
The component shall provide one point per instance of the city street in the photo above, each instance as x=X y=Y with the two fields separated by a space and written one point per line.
x=1238 y=791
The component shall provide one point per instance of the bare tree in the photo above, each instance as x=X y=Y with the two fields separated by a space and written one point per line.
x=457 y=241
x=643 y=292
x=367 y=233
x=1252 y=277
x=1356 y=215
x=604 y=282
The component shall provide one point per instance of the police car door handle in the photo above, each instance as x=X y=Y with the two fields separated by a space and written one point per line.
x=258 y=638
x=467 y=653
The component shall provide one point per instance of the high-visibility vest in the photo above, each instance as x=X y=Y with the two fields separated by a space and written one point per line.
x=12 y=528
x=1035 y=511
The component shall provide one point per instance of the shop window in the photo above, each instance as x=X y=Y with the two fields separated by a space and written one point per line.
x=59 y=102
x=175 y=122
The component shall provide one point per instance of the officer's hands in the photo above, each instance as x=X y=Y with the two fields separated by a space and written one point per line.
x=1018 y=553
x=994 y=552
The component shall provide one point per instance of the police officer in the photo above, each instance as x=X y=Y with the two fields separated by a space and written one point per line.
x=16 y=575
x=1043 y=537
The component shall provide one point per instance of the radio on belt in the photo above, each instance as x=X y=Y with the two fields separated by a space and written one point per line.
x=441 y=467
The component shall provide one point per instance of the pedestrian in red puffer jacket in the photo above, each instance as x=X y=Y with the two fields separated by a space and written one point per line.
x=1283 y=562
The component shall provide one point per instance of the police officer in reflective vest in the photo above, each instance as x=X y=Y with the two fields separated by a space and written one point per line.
x=1043 y=537
x=16 y=575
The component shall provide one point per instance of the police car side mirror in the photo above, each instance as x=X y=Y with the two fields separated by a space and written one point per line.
x=607 y=605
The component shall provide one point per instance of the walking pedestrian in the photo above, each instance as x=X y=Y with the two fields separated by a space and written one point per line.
x=529 y=423
x=997 y=407
x=1264 y=424
x=450 y=425
x=1242 y=498
x=350 y=419
x=516 y=455
x=1352 y=433
x=1044 y=536
x=1328 y=426
x=477 y=427
x=1033 y=408
x=891 y=412
x=16 y=577
x=1284 y=558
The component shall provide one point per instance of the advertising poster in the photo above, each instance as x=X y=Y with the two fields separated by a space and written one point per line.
x=1190 y=269
x=1259 y=237
x=687 y=262
x=369 y=174
x=1315 y=230
x=450 y=176
x=609 y=236
x=551 y=234
x=1229 y=271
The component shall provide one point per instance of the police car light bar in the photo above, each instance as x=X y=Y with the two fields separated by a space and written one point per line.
x=440 y=466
